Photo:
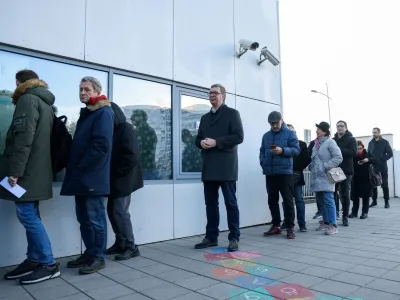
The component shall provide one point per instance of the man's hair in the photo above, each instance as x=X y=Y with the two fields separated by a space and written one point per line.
x=345 y=124
x=221 y=88
x=377 y=128
x=25 y=75
x=95 y=83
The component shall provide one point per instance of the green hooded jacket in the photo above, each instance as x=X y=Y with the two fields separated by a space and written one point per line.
x=27 y=150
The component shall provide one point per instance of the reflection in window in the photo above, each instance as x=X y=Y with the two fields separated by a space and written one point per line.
x=147 y=105
x=192 y=109
x=63 y=81
x=6 y=113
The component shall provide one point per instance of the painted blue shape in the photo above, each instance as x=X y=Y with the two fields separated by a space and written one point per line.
x=219 y=250
x=253 y=282
x=252 y=295
x=261 y=270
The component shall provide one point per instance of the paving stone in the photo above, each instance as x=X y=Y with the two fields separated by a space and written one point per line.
x=389 y=257
x=392 y=275
x=109 y=292
x=79 y=296
x=309 y=259
x=54 y=292
x=385 y=286
x=25 y=296
x=352 y=278
x=320 y=272
x=166 y=291
x=134 y=296
x=369 y=294
x=336 y=265
x=144 y=283
x=292 y=266
x=197 y=283
x=92 y=283
x=45 y=284
x=156 y=269
x=335 y=288
x=222 y=291
x=127 y=276
x=384 y=264
x=192 y=296
x=302 y=279
x=370 y=271
x=176 y=275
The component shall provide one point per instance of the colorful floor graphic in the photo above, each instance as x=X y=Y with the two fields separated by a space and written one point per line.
x=252 y=276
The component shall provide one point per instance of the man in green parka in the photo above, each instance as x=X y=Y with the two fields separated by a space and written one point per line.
x=27 y=162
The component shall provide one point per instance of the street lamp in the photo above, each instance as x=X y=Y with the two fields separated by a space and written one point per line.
x=329 y=99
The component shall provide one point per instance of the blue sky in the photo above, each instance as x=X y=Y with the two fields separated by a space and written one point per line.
x=354 y=46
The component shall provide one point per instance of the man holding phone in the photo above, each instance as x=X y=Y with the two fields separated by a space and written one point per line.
x=278 y=146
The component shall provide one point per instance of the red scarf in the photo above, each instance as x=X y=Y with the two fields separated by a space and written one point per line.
x=94 y=100
x=360 y=154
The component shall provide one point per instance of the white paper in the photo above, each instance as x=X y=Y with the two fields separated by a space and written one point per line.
x=17 y=190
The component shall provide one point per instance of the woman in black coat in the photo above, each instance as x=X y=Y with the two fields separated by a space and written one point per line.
x=361 y=184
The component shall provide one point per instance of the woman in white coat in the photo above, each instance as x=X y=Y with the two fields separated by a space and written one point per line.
x=325 y=156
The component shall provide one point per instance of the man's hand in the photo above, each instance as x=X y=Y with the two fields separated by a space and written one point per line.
x=365 y=160
x=12 y=181
x=277 y=151
x=211 y=142
x=204 y=145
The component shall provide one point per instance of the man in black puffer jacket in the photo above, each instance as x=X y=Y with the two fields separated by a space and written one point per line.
x=348 y=145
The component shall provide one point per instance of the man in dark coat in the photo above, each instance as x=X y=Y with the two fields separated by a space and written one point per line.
x=379 y=152
x=278 y=147
x=27 y=162
x=87 y=174
x=348 y=146
x=219 y=134
x=126 y=177
x=300 y=162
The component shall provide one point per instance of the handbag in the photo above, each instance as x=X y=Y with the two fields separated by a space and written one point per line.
x=335 y=175
x=375 y=179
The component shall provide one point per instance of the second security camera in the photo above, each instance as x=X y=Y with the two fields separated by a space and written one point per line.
x=246 y=45
x=268 y=55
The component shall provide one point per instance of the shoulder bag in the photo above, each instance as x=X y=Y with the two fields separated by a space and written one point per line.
x=375 y=179
x=335 y=175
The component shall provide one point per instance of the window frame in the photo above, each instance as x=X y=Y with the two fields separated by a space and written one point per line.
x=180 y=90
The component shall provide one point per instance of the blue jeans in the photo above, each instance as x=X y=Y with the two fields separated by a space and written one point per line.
x=327 y=205
x=300 y=206
x=212 y=209
x=91 y=215
x=39 y=246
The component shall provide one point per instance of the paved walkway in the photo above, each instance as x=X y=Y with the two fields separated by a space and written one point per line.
x=361 y=262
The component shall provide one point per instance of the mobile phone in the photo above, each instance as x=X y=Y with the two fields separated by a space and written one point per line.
x=360 y=162
x=272 y=147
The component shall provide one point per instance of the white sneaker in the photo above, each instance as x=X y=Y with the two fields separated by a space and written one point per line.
x=331 y=230
x=322 y=226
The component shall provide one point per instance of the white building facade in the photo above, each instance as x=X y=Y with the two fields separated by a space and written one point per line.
x=157 y=60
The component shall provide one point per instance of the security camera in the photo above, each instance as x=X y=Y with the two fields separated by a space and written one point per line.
x=268 y=55
x=246 y=45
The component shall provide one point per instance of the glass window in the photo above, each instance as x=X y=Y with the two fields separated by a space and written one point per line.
x=147 y=106
x=192 y=109
x=63 y=81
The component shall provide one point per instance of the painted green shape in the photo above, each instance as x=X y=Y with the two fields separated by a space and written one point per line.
x=252 y=295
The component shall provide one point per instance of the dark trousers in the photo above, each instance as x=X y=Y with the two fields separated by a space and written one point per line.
x=356 y=205
x=91 y=215
x=385 y=188
x=344 y=189
x=120 y=219
x=281 y=184
x=211 y=196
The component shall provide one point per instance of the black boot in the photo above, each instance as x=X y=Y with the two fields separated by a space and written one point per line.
x=345 y=221
x=128 y=253
x=364 y=216
x=387 y=205
x=115 y=249
x=374 y=203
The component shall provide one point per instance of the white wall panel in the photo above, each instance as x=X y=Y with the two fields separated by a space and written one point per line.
x=204 y=42
x=134 y=35
x=252 y=193
x=190 y=210
x=151 y=214
x=257 y=20
x=59 y=219
x=56 y=27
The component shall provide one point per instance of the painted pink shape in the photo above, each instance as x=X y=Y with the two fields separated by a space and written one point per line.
x=245 y=255
x=219 y=256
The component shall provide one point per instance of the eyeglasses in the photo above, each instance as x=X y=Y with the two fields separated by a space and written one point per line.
x=340 y=126
x=274 y=124
x=213 y=93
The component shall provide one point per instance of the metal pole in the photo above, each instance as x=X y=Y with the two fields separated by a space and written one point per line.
x=329 y=104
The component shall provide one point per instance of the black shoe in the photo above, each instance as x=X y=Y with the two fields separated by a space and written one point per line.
x=290 y=234
x=345 y=221
x=351 y=216
x=115 y=249
x=25 y=268
x=387 y=205
x=303 y=228
x=364 y=216
x=205 y=243
x=128 y=253
x=41 y=273
x=233 y=246
x=317 y=215
x=93 y=267
x=283 y=227
x=80 y=262
x=274 y=230
x=374 y=203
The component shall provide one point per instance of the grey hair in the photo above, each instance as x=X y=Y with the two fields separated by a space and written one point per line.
x=221 y=88
x=95 y=83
